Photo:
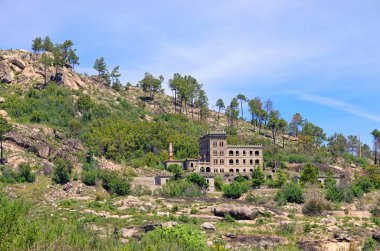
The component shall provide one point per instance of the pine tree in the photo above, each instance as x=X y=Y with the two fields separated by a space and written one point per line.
x=37 y=45
x=100 y=66
x=47 y=61
x=47 y=44
x=220 y=105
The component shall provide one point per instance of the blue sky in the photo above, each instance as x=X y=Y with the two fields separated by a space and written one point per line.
x=320 y=58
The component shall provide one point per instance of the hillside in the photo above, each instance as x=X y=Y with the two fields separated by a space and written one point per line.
x=77 y=147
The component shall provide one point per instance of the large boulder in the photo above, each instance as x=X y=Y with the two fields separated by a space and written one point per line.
x=376 y=235
x=6 y=73
x=18 y=62
x=239 y=212
x=208 y=226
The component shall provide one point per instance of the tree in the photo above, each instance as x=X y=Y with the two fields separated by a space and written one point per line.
x=72 y=57
x=274 y=123
x=290 y=192
x=150 y=84
x=257 y=177
x=66 y=47
x=100 y=66
x=282 y=127
x=309 y=174
x=376 y=143
x=115 y=74
x=311 y=136
x=295 y=124
x=202 y=103
x=353 y=144
x=255 y=107
x=47 y=44
x=47 y=61
x=337 y=145
x=268 y=107
x=242 y=98
x=220 y=105
x=58 y=58
x=4 y=128
x=232 y=112
x=37 y=45
x=262 y=116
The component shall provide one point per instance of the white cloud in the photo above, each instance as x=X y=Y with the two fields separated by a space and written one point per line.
x=337 y=104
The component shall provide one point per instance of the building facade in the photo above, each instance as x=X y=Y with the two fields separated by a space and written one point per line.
x=216 y=156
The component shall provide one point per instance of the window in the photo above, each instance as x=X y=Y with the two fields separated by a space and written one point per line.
x=244 y=170
x=237 y=162
x=215 y=153
x=215 y=161
x=231 y=162
x=202 y=169
x=222 y=161
x=221 y=144
x=251 y=162
x=231 y=153
x=214 y=144
x=243 y=153
x=257 y=162
x=191 y=164
x=243 y=161
x=257 y=153
x=251 y=170
x=237 y=153
x=250 y=153
x=231 y=170
x=237 y=170
x=221 y=153
x=222 y=170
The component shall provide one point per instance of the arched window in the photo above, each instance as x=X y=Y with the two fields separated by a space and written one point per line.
x=231 y=170
x=257 y=162
x=250 y=153
x=231 y=162
x=237 y=170
x=257 y=153
x=237 y=153
x=244 y=170
x=251 y=170
x=208 y=169
x=243 y=153
x=237 y=162
x=202 y=169
x=251 y=162
x=231 y=153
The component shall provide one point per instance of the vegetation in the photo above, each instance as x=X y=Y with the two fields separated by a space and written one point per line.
x=235 y=190
x=290 y=192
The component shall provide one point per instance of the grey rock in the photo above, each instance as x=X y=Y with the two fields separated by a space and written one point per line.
x=6 y=73
x=340 y=236
x=208 y=226
x=18 y=62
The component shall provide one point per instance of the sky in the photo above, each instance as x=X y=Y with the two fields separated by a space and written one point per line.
x=319 y=58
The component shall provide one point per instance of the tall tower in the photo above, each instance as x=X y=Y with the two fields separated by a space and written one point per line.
x=213 y=148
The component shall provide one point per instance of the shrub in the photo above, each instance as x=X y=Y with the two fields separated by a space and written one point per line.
x=25 y=173
x=297 y=158
x=280 y=179
x=290 y=192
x=198 y=180
x=90 y=177
x=309 y=174
x=62 y=171
x=335 y=194
x=235 y=190
x=135 y=163
x=375 y=212
x=315 y=207
x=218 y=182
x=228 y=218
x=114 y=183
x=180 y=188
x=257 y=177
x=181 y=237
x=183 y=218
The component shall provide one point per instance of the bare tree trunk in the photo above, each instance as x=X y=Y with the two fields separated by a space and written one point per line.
x=2 y=155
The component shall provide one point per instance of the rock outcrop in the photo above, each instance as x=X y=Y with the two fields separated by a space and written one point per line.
x=43 y=143
x=239 y=212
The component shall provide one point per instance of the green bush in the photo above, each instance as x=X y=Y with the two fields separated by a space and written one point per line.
x=180 y=188
x=297 y=158
x=257 y=178
x=235 y=190
x=309 y=174
x=315 y=207
x=25 y=173
x=62 y=171
x=181 y=237
x=228 y=218
x=198 y=180
x=114 y=183
x=90 y=177
x=290 y=192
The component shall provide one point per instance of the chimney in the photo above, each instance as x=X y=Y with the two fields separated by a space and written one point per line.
x=170 y=151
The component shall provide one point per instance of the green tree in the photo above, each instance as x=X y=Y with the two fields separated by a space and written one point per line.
x=274 y=124
x=46 y=61
x=309 y=174
x=58 y=58
x=255 y=107
x=25 y=173
x=337 y=145
x=202 y=103
x=47 y=44
x=176 y=170
x=150 y=84
x=72 y=57
x=376 y=143
x=37 y=45
x=235 y=190
x=242 y=98
x=220 y=105
x=258 y=177
x=65 y=48
x=232 y=112
x=100 y=66
x=4 y=128
x=295 y=124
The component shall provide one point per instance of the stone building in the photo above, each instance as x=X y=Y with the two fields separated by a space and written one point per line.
x=216 y=156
